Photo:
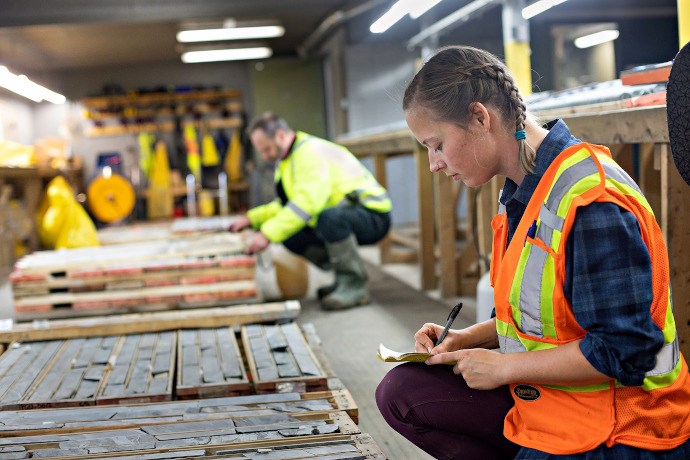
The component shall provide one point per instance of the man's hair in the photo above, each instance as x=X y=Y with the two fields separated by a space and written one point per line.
x=269 y=123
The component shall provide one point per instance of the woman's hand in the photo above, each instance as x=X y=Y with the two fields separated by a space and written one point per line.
x=481 y=368
x=425 y=338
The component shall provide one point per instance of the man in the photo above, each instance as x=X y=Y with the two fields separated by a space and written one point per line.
x=327 y=203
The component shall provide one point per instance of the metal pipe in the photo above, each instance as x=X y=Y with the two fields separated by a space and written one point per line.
x=463 y=14
x=331 y=22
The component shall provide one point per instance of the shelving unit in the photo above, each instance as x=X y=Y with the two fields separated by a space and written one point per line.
x=168 y=112
x=134 y=113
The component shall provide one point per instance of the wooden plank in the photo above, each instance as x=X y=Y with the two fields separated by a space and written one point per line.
x=151 y=322
x=96 y=418
x=173 y=274
x=129 y=255
x=291 y=365
x=247 y=288
x=384 y=143
x=624 y=126
x=209 y=364
x=215 y=435
x=358 y=447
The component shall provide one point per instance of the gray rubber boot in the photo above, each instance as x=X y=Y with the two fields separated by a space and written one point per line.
x=318 y=255
x=350 y=276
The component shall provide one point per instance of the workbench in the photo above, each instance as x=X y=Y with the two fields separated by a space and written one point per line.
x=383 y=146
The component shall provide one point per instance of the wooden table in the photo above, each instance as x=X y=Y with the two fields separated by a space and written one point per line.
x=385 y=145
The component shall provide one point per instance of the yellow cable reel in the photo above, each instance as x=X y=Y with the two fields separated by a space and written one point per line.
x=110 y=197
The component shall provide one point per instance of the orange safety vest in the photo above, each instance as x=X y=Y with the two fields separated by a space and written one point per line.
x=532 y=313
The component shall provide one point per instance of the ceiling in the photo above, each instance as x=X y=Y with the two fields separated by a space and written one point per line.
x=45 y=35
x=63 y=35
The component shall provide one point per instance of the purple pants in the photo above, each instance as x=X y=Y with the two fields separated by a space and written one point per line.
x=436 y=410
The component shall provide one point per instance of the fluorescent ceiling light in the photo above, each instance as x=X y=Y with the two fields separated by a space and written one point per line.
x=415 y=8
x=420 y=7
x=539 y=7
x=236 y=54
x=229 y=33
x=21 y=85
x=596 y=38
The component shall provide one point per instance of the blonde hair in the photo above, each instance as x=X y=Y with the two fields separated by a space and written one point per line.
x=455 y=78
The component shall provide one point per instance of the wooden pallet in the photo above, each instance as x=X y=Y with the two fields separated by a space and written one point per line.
x=180 y=271
x=354 y=447
x=97 y=418
x=128 y=300
x=203 y=271
x=134 y=233
x=150 y=231
x=106 y=257
x=280 y=359
x=142 y=369
x=74 y=375
x=88 y=371
x=20 y=367
x=196 y=225
x=207 y=437
x=209 y=364
x=236 y=315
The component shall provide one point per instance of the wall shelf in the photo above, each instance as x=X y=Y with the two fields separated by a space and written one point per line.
x=161 y=112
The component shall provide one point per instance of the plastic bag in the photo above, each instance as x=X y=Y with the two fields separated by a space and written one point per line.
x=61 y=221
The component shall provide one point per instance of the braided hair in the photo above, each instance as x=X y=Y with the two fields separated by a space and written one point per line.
x=456 y=77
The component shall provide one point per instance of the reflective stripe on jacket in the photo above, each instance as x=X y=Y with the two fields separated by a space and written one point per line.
x=532 y=313
x=316 y=175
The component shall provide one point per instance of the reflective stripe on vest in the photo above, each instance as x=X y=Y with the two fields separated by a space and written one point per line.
x=363 y=197
x=532 y=292
x=299 y=211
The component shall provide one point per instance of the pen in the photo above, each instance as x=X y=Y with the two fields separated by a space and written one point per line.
x=451 y=317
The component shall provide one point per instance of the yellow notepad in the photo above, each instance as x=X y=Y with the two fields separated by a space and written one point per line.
x=390 y=356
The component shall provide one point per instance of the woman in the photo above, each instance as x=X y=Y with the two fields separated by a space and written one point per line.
x=589 y=365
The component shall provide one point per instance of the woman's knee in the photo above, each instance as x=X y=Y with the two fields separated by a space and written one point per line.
x=395 y=389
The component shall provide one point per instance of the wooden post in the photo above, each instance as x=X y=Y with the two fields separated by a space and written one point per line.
x=446 y=227
x=426 y=220
x=675 y=218
x=650 y=175
x=385 y=244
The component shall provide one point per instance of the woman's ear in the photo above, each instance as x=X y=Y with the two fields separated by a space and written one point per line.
x=480 y=115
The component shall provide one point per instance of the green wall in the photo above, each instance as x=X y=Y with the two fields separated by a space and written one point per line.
x=292 y=88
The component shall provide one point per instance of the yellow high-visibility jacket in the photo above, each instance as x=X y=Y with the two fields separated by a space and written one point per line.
x=316 y=175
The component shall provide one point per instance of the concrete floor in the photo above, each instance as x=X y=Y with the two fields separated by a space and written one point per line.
x=350 y=338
